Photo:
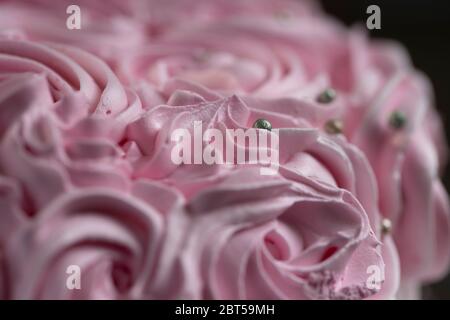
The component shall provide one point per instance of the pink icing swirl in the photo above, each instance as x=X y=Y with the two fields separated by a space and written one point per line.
x=316 y=173
x=115 y=240
x=302 y=57
x=86 y=176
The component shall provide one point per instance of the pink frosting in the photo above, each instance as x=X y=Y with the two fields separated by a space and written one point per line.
x=112 y=238
x=260 y=219
x=300 y=59
x=77 y=129
x=86 y=176
x=109 y=27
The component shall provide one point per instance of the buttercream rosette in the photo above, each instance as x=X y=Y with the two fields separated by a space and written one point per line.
x=87 y=178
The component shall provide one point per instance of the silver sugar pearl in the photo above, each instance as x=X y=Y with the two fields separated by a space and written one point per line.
x=386 y=226
x=262 y=124
x=334 y=126
x=327 y=96
x=398 y=120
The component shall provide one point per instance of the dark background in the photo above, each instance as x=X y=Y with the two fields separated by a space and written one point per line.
x=424 y=28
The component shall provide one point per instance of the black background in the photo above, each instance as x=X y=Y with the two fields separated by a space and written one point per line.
x=423 y=26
